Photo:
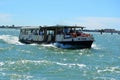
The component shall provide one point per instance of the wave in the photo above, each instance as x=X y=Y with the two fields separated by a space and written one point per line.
x=63 y=46
x=1 y=64
x=104 y=78
x=94 y=46
x=17 y=65
x=110 y=69
x=10 y=39
x=57 y=45
x=48 y=45
x=70 y=64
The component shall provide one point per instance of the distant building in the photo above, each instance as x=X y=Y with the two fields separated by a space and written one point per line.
x=109 y=30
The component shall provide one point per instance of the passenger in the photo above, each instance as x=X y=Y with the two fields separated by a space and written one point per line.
x=41 y=32
x=78 y=33
x=74 y=35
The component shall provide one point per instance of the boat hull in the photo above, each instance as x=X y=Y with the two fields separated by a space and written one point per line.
x=64 y=44
x=77 y=44
x=31 y=41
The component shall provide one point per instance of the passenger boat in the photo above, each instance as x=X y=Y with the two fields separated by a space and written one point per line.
x=58 y=35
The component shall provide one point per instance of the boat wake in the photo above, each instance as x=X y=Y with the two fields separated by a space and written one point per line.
x=48 y=45
x=57 y=45
x=10 y=39
x=94 y=46
x=63 y=46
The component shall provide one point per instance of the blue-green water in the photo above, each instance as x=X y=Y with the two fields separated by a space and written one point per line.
x=45 y=62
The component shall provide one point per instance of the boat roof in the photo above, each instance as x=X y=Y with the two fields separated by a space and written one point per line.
x=53 y=27
x=62 y=26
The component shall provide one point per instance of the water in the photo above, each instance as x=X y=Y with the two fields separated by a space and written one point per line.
x=46 y=62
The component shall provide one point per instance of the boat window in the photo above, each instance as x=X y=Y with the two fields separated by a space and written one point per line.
x=59 y=31
x=37 y=31
x=23 y=31
x=65 y=30
x=26 y=32
x=41 y=32
x=34 y=32
x=50 y=32
x=29 y=32
x=71 y=31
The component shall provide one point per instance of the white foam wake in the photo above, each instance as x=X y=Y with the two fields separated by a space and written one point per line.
x=48 y=45
x=57 y=45
x=39 y=62
x=10 y=39
x=63 y=46
x=94 y=46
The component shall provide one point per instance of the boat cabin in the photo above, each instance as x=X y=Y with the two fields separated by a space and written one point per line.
x=50 y=34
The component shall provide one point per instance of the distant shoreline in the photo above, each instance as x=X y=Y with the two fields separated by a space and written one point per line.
x=11 y=27
x=86 y=30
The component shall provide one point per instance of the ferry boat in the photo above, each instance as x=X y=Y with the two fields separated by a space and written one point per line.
x=58 y=35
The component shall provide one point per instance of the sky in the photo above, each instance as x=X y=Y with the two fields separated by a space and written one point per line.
x=92 y=14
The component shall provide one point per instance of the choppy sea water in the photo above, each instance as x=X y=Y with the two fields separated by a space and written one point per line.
x=46 y=62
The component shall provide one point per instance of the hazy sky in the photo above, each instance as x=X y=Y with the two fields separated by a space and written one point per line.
x=93 y=14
